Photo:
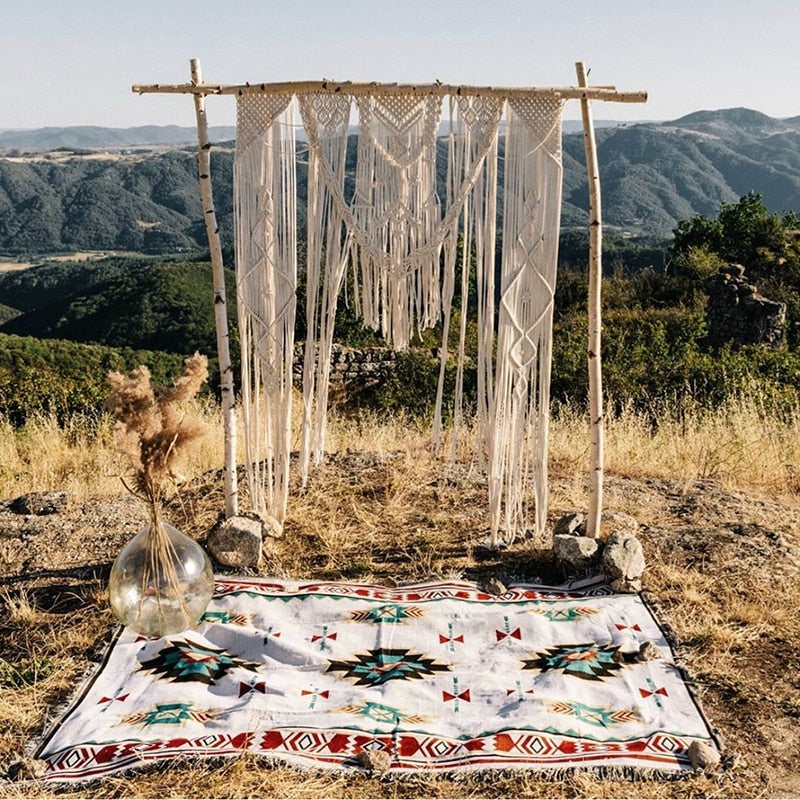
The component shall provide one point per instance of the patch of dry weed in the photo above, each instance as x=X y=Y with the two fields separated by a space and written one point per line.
x=381 y=508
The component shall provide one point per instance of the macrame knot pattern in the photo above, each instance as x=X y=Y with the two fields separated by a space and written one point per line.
x=400 y=221
x=255 y=113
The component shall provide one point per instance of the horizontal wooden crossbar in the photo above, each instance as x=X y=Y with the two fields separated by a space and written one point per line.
x=607 y=93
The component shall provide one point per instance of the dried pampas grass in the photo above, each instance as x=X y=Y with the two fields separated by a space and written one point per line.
x=162 y=580
x=152 y=428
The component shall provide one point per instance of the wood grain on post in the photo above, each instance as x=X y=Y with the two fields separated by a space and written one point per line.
x=608 y=93
x=230 y=482
x=596 y=445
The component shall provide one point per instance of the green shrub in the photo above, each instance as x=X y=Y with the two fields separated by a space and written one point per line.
x=63 y=378
x=413 y=383
x=653 y=359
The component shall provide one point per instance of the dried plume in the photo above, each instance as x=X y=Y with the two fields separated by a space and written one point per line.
x=152 y=427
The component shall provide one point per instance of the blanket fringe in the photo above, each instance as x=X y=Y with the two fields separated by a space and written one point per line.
x=399 y=778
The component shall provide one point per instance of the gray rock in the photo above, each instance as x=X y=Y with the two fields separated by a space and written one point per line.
x=612 y=522
x=703 y=756
x=570 y=525
x=620 y=657
x=495 y=587
x=237 y=542
x=623 y=562
x=736 y=312
x=26 y=769
x=575 y=551
x=626 y=585
x=375 y=760
x=40 y=503
x=648 y=652
x=735 y=270
x=271 y=527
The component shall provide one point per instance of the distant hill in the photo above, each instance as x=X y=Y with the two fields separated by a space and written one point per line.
x=83 y=137
x=145 y=202
x=93 y=136
x=146 y=304
x=146 y=199
x=656 y=174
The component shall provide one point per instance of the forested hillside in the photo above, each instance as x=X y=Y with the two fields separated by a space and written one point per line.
x=152 y=305
x=653 y=176
x=146 y=202
x=720 y=187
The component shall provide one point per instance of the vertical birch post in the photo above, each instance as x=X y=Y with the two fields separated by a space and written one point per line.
x=594 y=342
x=220 y=301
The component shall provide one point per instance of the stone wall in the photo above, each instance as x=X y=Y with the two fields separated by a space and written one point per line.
x=737 y=313
x=361 y=368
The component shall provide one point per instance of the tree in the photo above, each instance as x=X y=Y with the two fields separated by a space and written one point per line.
x=743 y=233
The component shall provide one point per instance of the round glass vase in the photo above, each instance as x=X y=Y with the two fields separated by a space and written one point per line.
x=161 y=582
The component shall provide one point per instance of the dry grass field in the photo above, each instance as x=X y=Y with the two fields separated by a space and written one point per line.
x=717 y=497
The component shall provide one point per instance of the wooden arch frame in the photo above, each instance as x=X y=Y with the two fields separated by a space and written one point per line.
x=582 y=92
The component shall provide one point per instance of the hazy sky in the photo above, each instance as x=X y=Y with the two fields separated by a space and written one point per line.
x=72 y=62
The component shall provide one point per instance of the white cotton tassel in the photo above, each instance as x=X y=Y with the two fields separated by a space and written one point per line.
x=519 y=413
x=266 y=280
x=326 y=119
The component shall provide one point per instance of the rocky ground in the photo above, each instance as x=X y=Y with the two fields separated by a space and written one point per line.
x=723 y=573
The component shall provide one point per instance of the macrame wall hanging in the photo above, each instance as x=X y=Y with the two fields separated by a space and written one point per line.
x=397 y=234
x=426 y=173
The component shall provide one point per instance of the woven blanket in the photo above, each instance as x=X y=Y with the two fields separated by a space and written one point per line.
x=440 y=676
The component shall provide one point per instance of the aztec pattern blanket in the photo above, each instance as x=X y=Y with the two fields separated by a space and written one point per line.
x=440 y=676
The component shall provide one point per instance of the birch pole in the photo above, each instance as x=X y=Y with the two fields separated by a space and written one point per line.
x=595 y=325
x=220 y=301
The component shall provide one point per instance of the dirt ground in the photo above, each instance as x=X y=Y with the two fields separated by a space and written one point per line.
x=723 y=573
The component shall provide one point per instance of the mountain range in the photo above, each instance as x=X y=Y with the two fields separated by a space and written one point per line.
x=90 y=136
x=136 y=189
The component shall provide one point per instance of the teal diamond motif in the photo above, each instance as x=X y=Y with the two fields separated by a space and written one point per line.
x=588 y=661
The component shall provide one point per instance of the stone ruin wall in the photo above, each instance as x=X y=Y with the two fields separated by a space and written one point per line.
x=363 y=367
x=737 y=313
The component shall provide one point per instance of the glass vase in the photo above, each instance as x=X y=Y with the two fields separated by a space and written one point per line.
x=161 y=582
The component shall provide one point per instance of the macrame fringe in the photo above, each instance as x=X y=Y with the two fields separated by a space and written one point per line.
x=408 y=250
x=266 y=282
x=518 y=418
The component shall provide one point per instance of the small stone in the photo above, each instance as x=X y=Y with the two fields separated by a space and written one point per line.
x=737 y=270
x=495 y=587
x=626 y=586
x=703 y=756
x=271 y=527
x=237 y=542
x=616 y=522
x=575 y=551
x=375 y=760
x=623 y=562
x=648 y=652
x=731 y=761
x=40 y=503
x=570 y=525
x=26 y=769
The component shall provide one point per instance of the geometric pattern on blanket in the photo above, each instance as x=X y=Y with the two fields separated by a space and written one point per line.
x=441 y=676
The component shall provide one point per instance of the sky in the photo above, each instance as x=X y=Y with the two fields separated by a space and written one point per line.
x=72 y=62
